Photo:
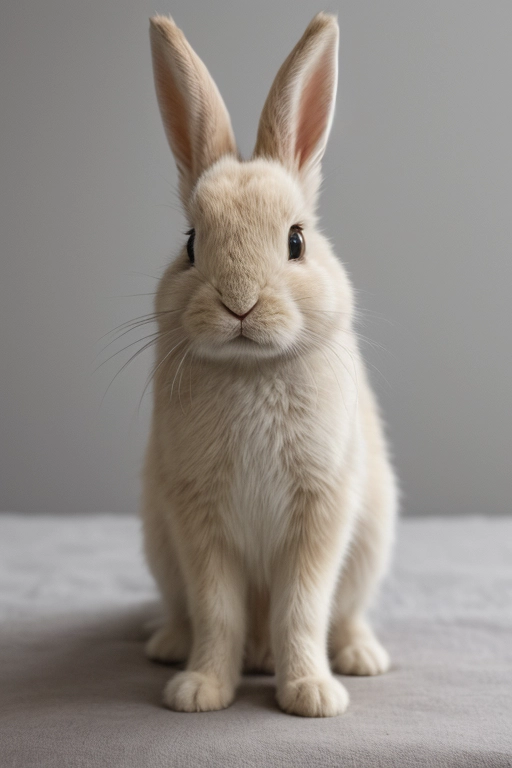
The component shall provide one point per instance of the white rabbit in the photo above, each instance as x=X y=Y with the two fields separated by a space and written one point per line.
x=269 y=499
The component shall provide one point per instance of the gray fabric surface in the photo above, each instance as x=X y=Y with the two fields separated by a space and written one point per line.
x=75 y=600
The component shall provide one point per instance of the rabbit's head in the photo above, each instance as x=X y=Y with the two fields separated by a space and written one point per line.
x=255 y=279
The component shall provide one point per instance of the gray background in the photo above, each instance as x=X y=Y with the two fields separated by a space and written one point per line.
x=417 y=199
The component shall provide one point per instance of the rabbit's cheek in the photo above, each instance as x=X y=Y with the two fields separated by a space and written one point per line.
x=277 y=325
x=203 y=322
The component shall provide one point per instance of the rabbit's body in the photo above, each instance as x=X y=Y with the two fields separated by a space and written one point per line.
x=269 y=499
x=250 y=457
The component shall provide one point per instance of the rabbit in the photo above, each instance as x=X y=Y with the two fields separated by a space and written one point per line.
x=269 y=497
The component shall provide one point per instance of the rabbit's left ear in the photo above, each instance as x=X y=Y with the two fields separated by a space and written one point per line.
x=297 y=116
x=195 y=117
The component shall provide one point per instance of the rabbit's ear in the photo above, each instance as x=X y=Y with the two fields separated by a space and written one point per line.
x=195 y=117
x=297 y=116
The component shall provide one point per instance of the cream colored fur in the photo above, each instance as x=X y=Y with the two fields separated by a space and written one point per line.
x=269 y=500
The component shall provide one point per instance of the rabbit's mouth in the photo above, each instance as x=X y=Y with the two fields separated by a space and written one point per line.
x=247 y=346
x=269 y=329
x=244 y=337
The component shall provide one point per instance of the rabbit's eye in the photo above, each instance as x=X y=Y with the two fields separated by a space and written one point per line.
x=190 y=245
x=296 y=243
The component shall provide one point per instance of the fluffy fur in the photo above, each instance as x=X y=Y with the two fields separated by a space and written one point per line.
x=269 y=499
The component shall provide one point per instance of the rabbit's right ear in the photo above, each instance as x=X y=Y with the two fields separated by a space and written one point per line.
x=297 y=116
x=195 y=117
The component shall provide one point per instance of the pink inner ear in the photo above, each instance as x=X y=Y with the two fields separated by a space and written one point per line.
x=315 y=108
x=174 y=113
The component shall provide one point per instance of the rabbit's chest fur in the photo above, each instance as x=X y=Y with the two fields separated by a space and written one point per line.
x=243 y=445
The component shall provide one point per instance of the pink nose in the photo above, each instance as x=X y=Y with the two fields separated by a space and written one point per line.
x=239 y=317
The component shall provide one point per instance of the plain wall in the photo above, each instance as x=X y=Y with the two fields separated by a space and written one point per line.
x=417 y=200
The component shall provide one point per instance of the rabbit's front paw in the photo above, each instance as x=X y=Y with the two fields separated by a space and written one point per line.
x=168 y=645
x=197 y=692
x=313 y=697
x=366 y=657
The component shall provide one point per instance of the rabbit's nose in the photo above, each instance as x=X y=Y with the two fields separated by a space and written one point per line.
x=239 y=317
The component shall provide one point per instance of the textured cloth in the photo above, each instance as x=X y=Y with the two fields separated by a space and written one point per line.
x=76 y=690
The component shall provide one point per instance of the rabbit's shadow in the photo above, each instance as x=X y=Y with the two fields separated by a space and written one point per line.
x=81 y=660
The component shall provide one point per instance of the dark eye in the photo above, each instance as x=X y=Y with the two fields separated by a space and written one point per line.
x=190 y=245
x=296 y=243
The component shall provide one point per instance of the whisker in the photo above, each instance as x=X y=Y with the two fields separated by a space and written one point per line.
x=177 y=370
x=353 y=332
x=302 y=347
x=361 y=337
x=131 y=295
x=138 y=341
x=167 y=205
x=155 y=369
x=353 y=378
x=179 y=381
x=149 y=318
x=367 y=362
x=142 y=319
x=322 y=350
x=120 y=336
x=143 y=274
x=329 y=343
x=357 y=311
x=190 y=383
x=149 y=344
x=379 y=372
x=139 y=351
